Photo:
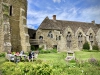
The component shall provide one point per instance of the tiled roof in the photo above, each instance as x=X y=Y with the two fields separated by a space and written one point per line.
x=61 y=25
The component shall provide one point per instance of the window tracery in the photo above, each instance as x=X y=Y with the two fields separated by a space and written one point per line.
x=80 y=40
x=69 y=39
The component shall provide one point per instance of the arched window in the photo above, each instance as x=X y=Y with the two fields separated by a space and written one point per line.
x=69 y=38
x=50 y=34
x=91 y=38
x=40 y=37
x=80 y=40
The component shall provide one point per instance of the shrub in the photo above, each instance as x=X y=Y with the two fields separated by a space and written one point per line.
x=41 y=48
x=38 y=61
x=2 y=54
x=53 y=51
x=91 y=71
x=92 y=61
x=86 y=46
x=95 y=47
x=32 y=48
x=9 y=68
x=48 y=51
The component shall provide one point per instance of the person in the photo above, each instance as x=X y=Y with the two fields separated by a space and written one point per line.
x=8 y=52
x=31 y=54
x=22 y=52
x=17 y=53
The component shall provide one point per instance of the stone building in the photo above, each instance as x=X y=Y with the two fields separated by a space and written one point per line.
x=13 y=30
x=67 y=35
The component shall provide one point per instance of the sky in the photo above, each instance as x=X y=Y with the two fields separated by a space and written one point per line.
x=69 y=10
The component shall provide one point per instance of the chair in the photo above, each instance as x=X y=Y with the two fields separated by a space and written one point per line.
x=9 y=57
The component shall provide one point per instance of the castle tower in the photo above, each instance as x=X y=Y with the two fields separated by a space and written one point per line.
x=14 y=25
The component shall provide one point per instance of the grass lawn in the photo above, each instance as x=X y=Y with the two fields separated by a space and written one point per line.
x=81 y=55
x=52 y=56
x=2 y=60
x=85 y=55
x=55 y=57
x=60 y=67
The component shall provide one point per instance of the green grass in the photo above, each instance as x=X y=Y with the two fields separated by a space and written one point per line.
x=85 y=55
x=52 y=56
x=2 y=60
x=61 y=67
x=81 y=55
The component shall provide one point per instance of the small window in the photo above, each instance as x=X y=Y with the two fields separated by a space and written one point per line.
x=59 y=37
x=40 y=37
x=10 y=12
x=50 y=34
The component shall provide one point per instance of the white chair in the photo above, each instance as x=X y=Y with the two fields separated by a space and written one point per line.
x=9 y=57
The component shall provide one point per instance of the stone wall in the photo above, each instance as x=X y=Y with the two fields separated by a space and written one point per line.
x=17 y=20
x=1 y=28
x=49 y=41
x=98 y=38
x=75 y=41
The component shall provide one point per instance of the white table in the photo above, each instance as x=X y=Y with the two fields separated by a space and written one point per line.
x=20 y=56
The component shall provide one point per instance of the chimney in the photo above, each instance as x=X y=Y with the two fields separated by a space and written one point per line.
x=54 y=17
x=93 y=22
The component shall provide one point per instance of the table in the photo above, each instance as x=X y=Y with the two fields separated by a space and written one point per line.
x=19 y=57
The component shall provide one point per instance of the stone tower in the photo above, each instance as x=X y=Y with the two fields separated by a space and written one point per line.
x=13 y=30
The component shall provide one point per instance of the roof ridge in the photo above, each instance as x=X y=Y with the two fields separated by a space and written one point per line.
x=73 y=21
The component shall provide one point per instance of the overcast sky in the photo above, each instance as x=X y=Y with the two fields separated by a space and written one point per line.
x=71 y=10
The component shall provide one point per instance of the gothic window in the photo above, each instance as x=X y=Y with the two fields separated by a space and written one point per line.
x=80 y=40
x=50 y=34
x=40 y=37
x=69 y=37
x=91 y=38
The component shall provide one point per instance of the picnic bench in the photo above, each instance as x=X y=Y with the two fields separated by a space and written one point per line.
x=18 y=57
x=14 y=57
